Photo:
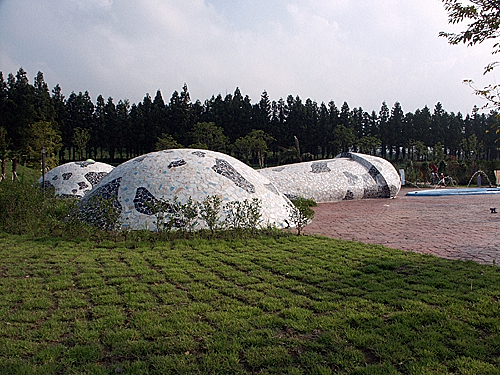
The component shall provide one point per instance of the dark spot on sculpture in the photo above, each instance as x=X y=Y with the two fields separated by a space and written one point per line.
x=351 y=178
x=67 y=176
x=272 y=188
x=56 y=177
x=146 y=203
x=199 y=154
x=176 y=163
x=378 y=191
x=374 y=172
x=393 y=190
x=46 y=185
x=349 y=195
x=139 y=159
x=225 y=169
x=74 y=191
x=320 y=167
x=69 y=196
x=381 y=190
x=278 y=169
x=94 y=177
x=84 y=164
x=92 y=207
x=385 y=191
x=110 y=191
x=83 y=185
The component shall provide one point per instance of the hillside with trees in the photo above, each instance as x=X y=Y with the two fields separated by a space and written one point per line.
x=266 y=133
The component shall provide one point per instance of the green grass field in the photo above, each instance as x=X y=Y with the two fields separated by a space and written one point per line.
x=23 y=172
x=286 y=305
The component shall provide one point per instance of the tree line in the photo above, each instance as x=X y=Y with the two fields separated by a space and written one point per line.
x=265 y=133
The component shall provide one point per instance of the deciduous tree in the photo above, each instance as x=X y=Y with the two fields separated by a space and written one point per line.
x=43 y=134
x=80 y=139
x=483 y=17
x=166 y=142
x=256 y=142
x=207 y=135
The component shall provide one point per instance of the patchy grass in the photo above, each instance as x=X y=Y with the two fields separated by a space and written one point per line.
x=26 y=174
x=290 y=305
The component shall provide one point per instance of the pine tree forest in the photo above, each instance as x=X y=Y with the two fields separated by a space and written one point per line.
x=265 y=133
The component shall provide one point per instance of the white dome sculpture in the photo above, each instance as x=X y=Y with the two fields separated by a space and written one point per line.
x=75 y=179
x=139 y=185
x=348 y=176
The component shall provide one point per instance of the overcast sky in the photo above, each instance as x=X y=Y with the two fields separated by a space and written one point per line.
x=363 y=52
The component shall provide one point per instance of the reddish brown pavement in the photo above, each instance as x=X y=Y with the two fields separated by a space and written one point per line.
x=452 y=227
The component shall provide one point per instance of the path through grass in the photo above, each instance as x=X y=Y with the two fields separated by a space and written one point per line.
x=292 y=305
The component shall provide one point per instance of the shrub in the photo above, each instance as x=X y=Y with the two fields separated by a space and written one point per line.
x=302 y=214
x=210 y=212
x=26 y=209
x=243 y=215
x=101 y=212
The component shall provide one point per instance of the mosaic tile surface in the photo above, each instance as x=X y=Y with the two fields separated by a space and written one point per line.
x=348 y=176
x=75 y=179
x=138 y=184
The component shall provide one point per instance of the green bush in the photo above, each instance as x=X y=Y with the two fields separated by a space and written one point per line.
x=303 y=213
x=26 y=209
x=243 y=215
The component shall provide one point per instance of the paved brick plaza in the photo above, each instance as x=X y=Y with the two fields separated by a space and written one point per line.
x=453 y=227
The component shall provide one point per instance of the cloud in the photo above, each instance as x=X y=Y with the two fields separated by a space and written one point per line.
x=345 y=50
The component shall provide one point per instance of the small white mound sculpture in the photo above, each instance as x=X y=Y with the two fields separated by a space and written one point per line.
x=75 y=179
x=137 y=187
x=348 y=176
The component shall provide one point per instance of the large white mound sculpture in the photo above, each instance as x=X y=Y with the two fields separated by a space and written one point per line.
x=348 y=176
x=139 y=185
x=75 y=179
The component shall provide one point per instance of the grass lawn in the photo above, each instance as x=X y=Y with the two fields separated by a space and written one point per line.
x=290 y=305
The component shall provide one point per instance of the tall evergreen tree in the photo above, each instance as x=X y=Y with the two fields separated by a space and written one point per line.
x=324 y=131
x=262 y=113
x=146 y=123
x=178 y=113
x=59 y=103
x=384 y=131
x=44 y=106
x=97 y=134
x=438 y=125
x=159 y=116
x=123 y=126
x=396 y=139
x=80 y=114
x=111 y=128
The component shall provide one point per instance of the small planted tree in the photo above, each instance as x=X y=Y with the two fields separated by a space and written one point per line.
x=302 y=214
x=210 y=212
x=243 y=215
x=188 y=213
x=165 y=214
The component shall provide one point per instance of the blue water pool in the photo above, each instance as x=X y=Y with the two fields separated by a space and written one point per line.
x=453 y=191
